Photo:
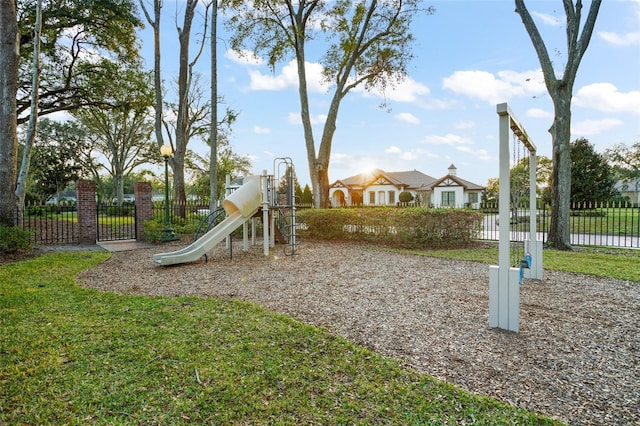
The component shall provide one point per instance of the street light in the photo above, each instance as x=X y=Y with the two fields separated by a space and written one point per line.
x=167 y=232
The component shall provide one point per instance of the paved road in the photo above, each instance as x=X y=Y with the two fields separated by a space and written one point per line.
x=491 y=231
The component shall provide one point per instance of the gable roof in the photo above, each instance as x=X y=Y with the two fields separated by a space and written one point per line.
x=409 y=179
x=412 y=179
x=470 y=186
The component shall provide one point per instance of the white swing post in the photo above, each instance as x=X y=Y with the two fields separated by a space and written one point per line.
x=504 y=280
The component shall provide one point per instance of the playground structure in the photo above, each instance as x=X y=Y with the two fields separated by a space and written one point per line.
x=514 y=264
x=257 y=194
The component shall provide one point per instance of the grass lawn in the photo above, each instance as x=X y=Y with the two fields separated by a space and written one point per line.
x=604 y=262
x=70 y=355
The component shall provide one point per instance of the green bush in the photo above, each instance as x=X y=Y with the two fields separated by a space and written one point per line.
x=14 y=239
x=40 y=210
x=414 y=227
x=123 y=210
x=152 y=230
x=405 y=197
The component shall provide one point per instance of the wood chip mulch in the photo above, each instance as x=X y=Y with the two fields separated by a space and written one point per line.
x=576 y=357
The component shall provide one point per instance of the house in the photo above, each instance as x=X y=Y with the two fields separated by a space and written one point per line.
x=629 y=188
x=380 y=188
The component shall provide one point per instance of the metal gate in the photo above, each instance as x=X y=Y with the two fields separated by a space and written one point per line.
x=116 y=222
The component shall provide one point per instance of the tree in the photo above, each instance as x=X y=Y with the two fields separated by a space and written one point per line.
x=9 y=63
x=32 y=128
x=283 y=185
x=307 y=195
x=368 y=44
x=519 y=175
x=561 y=91
x=55 y=159
x=229 y=164
x=213 y=130
x=183 y=128
x=591 y=175
x=491 y=191
x=625 y=160
x=81 y=41
x=122 y=134
x=157 y=75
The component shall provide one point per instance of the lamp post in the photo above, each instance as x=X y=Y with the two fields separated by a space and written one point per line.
x=167 y=232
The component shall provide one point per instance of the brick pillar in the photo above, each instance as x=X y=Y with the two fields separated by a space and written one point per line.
x=87 y=211
x=144 y=210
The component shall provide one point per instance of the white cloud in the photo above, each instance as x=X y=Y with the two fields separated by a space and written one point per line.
x=606 y=97
x=448 y=139
x=406 y=90
x=245 y=57
x=408 y=118
x=548 y=19
x=628 y=39
x=495 y=89
x=403 y=155
x=261 y=130
x=593 y=127
x=480 y=154
x=288 y=77
x=621 y=39
x=462 y=125
x=538 y=113
x=294 y=118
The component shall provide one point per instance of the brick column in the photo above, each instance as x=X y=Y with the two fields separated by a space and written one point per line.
x=87 y=211
x=144 y=210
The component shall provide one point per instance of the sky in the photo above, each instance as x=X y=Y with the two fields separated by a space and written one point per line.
x=469 y=57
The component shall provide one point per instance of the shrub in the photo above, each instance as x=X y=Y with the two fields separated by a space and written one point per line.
x=40 y=210
x=414 y=227
x=152 y=231
x=123 y=210
x=14 y=239
x=405 y=197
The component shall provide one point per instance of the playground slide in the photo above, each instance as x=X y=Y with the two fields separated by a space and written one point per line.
x=239 y=205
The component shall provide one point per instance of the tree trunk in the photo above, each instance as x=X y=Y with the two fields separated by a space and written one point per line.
x=559 y=231
x=9 y=62
x=179 y=193
x=32 y=129
x=561 y=91
x=118 y=186
x=182 y=120
x=213 y=137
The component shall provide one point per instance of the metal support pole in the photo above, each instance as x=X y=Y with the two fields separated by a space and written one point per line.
x=265 y=212
x=167 y=232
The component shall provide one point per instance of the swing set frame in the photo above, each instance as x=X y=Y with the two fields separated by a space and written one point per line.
x=505 y=280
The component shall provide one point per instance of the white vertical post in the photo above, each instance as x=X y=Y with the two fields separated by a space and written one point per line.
x=504 y=281
x=245 y=235
x=253 y=231
x=265 y=212
x=535 y=245
x=227 y=183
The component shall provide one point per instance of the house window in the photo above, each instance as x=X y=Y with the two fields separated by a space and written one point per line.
x=392 y=197
x=473 y=197
x=449 y=198
x=381 y=197
x=372 y=198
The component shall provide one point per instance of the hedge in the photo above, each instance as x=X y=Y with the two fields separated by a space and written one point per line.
x=415 y=227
